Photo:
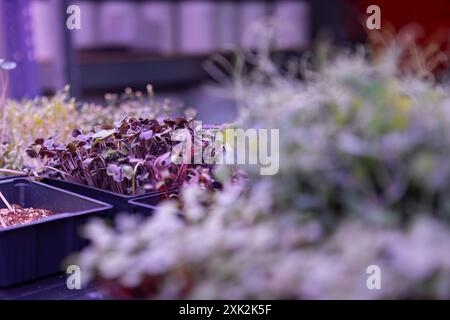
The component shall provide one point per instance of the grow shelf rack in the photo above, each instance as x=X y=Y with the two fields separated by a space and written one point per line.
x=96 y=70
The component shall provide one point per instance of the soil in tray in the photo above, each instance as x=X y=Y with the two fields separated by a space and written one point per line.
x=21 y=215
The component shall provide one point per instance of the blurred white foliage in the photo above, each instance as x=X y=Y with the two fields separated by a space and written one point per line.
x=265 y=240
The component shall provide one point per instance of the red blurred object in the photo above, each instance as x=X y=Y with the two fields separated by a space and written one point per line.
x=433 y=15
x=421 y=27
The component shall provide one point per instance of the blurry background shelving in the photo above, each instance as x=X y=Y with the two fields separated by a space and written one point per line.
x=132 y=43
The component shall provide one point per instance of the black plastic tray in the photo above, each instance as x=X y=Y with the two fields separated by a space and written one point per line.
x=38 y=249
x=145 y=205
x=120 y=202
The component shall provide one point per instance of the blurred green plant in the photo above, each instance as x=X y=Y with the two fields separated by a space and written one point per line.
x=364 y=179
x=357 y=137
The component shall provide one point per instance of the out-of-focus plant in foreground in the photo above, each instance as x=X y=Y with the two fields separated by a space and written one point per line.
x=364 y=179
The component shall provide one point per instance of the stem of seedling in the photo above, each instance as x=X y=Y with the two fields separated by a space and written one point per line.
x=59 y=171
x=133 y=186
x=13 y=171
x=8 y=205
x=4 y=90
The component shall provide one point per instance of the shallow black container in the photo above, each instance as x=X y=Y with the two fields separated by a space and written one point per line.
x=119 y=201
x=37 y=249
x=145 y=205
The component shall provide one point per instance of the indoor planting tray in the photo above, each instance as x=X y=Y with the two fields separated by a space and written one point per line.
x=38 y=248
x=145 y=205
x=120 y=202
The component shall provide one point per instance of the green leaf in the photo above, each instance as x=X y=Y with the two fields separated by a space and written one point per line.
x=128 y=171
x=103 y=134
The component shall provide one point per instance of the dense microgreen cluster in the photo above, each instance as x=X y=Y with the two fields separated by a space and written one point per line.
x=132 y=157
x=23 y=121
